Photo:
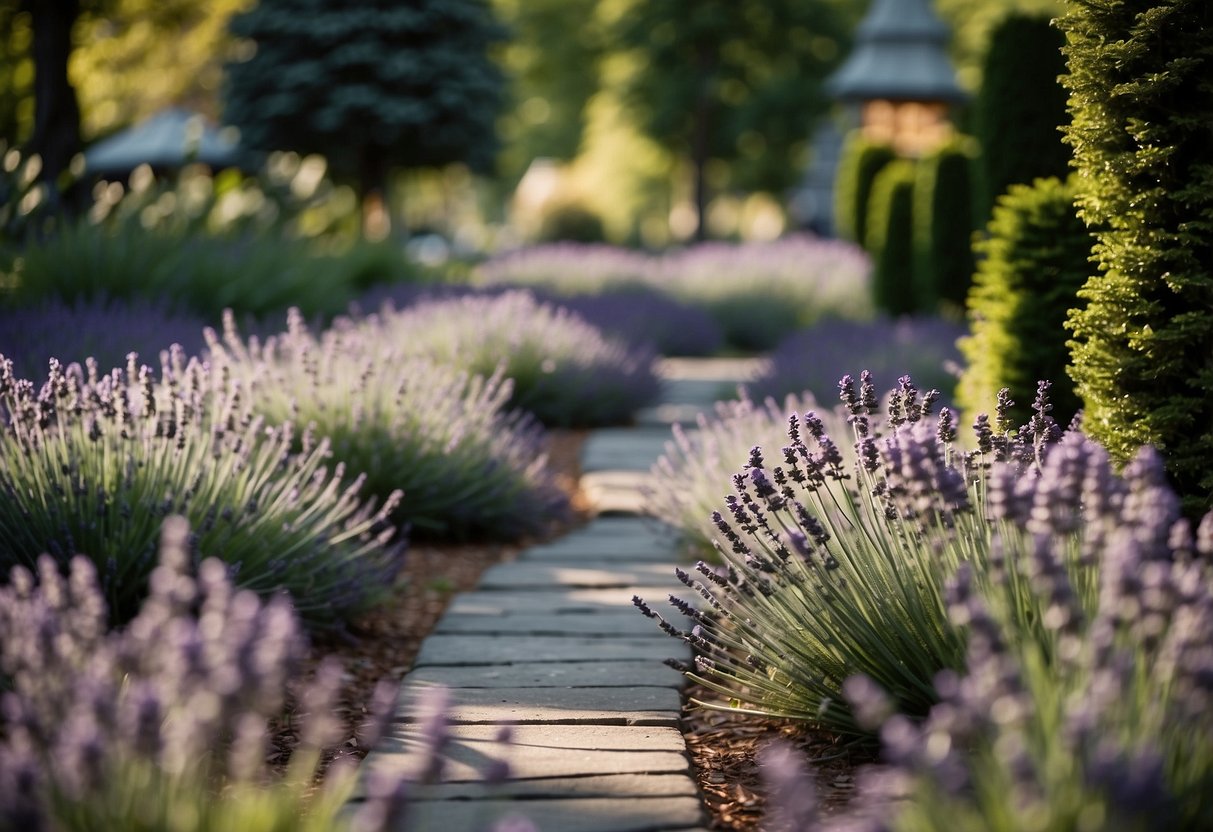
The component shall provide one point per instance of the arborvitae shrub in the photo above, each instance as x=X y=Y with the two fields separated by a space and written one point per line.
x=1036 y=258
x=891 y=240
x=1020 y=108
x=943 y=223
x=861 y=161
x=1142 y=102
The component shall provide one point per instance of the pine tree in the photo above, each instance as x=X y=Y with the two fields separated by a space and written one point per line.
x=1036 y=256
x=943 y=224
x=862 y=160
x=371 y=87
x=1020 y=108
x=891 y=240
x=1141 y=98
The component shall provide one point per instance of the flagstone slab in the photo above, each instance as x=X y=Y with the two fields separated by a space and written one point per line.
x=621 y=527
x=441 y=649
x=551 y=624
x=524 y=575
x=702 y=393
x=650 y=673
x=623 y=449
x=618 y=786
x=538 y=739
x=549 y=706
x=594 y=814
x=567 y=601
x=617 y=493
x=714 y=369
x=601 y=549
x=668 y=415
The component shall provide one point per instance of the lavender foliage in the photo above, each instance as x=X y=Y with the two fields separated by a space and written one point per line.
x=814 y=358
x=467 y=464
x=164 y=724
x=105 y=330
x=91 y=464
x=562 y=369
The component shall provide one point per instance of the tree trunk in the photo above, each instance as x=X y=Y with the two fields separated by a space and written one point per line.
x=372 y=190
x=56 y=135
x=701 y=138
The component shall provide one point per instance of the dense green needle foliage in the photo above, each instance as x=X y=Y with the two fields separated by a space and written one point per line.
x=943 y=225
x=1036 y=258
x=468 y=466
x=862 y=160
x=890 y=241
x=1020 y=109
x=91 y=464
x=1141 y=97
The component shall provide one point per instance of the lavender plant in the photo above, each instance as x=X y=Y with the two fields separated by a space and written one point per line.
x=163 y=725
x=1093 y=709
x=646 y=316
x=105 y=330
x=833 y=569
x=562 y=370
x=569 y=269
x=467 y=465
x=814 y=358
x=90 y=464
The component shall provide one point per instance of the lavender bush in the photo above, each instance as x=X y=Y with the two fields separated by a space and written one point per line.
x=90 y=464
x=105 y=330
x=813 y=359
x=832 y=570
x=467 y=465
x=163 y=725
x=563 y=370
x=1094 y=711
x=569 y=268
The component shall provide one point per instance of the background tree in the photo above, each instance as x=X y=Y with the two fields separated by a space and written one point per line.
x=860 y=163
x=1021 y=107
x=891 y=240
x=56 y=129
x=1141 y=97
x=1035 y=258
x=943 y=224
x=381 y=86
x=733 y=81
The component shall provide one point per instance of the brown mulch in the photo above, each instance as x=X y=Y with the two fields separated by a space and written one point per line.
x=383 y=645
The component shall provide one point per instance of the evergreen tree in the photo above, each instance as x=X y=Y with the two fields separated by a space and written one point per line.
x=943 y=224
x=891 y=240
x=1036 y=256
x=1021 y=107
x=861 y=161
x=372 y=87
x=1141 y=98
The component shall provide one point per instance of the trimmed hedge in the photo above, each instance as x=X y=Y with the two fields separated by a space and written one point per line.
x=891 y=240
x=943 y=224
x=862 y=160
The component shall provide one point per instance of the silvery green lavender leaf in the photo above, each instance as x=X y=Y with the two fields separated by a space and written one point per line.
x=90 y=464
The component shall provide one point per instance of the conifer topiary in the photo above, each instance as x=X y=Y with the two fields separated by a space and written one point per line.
x=1036 y=258
x=862 y=159
x=943 y=224
x=891 y=240
x=1020 y=108
x=1142 y=102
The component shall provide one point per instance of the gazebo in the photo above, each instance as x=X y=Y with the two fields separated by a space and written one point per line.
x=898 y=80
x=168 y=140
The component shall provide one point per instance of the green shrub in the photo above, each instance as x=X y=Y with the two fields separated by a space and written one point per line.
x=439 y=434
x=861 y=162
x=1036 y=258
x=890 y=241
x=943 y=224
x=91 y=465
x=1020 y=108
x=571 y=222
x=560 y=368
x=1141 y=103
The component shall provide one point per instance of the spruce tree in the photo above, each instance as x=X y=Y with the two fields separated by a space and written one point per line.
x=1141 y=97
x=1036 y=256
x=372 y=86
x=891 y=240
x=943 y=224
x=1020 y=108
x=862 y=160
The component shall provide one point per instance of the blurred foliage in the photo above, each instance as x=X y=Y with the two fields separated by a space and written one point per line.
x=973 y=20
x=16 y=73
x=891 y=240
x=861 y=161
x=943 y=225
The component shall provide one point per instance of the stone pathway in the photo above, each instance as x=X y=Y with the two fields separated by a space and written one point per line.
x=552 y=645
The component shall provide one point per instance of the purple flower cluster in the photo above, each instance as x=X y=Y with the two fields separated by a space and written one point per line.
x=814 y=358
x=105 y=330
x=163 y=724
x=468 y=466
x=91 y=464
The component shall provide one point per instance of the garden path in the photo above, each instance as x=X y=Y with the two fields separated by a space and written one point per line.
x=552 y=645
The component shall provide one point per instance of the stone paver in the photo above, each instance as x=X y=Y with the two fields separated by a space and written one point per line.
x=528 y=575
x=623 y=449
x=443 y=649
x=553 y=674
x=639 y=814
x=551 y=624
x=615 y=493
x=565 y=600
x=552 y=706
x=624 y=786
